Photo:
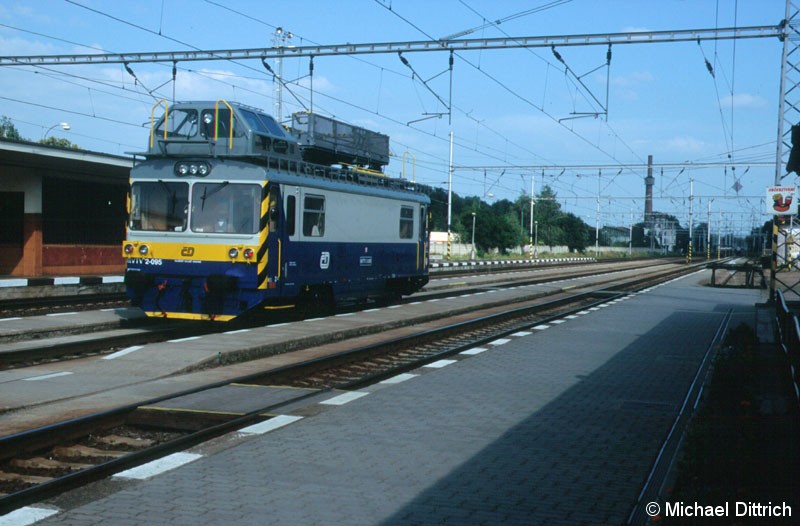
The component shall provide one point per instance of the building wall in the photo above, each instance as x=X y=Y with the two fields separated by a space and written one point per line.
x=61 y=212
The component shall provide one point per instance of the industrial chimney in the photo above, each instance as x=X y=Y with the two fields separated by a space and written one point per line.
x=648 y=192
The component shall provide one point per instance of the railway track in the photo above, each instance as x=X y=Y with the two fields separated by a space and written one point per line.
x=44 y=462
x=73 y=343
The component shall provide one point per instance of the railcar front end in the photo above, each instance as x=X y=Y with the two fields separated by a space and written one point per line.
x=193 y=247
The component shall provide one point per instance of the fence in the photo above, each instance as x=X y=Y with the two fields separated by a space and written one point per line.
x=789 y=329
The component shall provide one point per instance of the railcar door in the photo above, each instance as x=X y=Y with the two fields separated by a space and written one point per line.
x=270 y=256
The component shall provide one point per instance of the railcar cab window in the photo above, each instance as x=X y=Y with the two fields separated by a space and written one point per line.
x=159 y=206
x=406 y=222
x=180 y=123
x=262 y=123
x=207 y=125
x=314 y=216
x=225 y=208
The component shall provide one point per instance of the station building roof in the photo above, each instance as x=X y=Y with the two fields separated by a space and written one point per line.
x=66 y=162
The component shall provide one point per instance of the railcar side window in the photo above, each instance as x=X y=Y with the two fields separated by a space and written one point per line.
x=223 y=127
x=291 y=209
x=273 y=210
x=159 y=206
x=406 y=222
x=314 y=216
x=226 y=208
x=180 y=123
x=423 y=222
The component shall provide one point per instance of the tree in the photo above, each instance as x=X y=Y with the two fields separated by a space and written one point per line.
x=8 y=130
x=59 y=143
x=575 y=232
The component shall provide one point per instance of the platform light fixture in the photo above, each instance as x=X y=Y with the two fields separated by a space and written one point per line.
x=64 y=126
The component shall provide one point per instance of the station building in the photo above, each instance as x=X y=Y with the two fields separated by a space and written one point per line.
x=62 y=211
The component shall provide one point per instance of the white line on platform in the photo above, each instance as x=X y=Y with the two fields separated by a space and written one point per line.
x=314 y=319
x=440 y=363
x=370 y=310
x=345 y=314
x=10 y=319
x=558 y=322
x=270 y=425
x=500 y=341
x=520 y=334
x=474 y=351
x=541 y=327
x=69 y=280
x=181 y=340
x=399 y=378
x=123 y=352
x=25 y=516
x=13 y=282
x=61 y=314
x=238 y=331
x=47 y=376
x=581 y=313
x=158 y=466
x=344 y=398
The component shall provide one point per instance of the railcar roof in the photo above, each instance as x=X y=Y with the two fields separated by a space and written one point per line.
x=162 y=170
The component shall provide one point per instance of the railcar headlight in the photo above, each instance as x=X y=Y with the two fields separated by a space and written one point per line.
x=129 y=249
x=184 y=168
x=233 y=253
x=143 y=250
x=248 y=253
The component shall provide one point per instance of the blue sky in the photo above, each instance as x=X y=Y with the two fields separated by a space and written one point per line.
x=509 y=106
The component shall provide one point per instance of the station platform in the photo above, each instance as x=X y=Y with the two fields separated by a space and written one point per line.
x=557 y=425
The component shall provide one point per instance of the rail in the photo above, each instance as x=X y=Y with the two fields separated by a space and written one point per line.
x=789 y=329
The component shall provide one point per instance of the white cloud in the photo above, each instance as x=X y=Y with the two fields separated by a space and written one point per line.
x=685 y=145
x=635 y=78
x=743 y=100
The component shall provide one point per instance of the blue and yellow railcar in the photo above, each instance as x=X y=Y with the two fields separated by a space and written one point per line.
x=229 y=213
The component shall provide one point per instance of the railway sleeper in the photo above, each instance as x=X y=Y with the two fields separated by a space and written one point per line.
x=38 y=464
x=87 y=453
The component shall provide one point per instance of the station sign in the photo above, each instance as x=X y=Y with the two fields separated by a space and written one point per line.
x=781 y=200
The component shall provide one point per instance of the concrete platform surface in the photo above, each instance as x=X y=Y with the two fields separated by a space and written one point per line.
x=559 y=424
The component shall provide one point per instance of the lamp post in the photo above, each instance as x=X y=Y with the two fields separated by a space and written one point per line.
x=472 y=254
x=64 y=126
x=536 y=240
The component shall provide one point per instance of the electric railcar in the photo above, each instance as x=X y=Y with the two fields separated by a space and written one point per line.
x=230 y=212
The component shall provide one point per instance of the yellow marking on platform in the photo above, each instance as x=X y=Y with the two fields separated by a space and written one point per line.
x=568 y=287
x=277 y=307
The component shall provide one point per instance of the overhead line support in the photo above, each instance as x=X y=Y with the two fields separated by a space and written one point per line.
x=642 y=37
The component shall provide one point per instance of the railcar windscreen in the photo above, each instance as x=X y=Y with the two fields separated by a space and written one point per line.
x=226 y=208
x=181 y=123
x=159 y=206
